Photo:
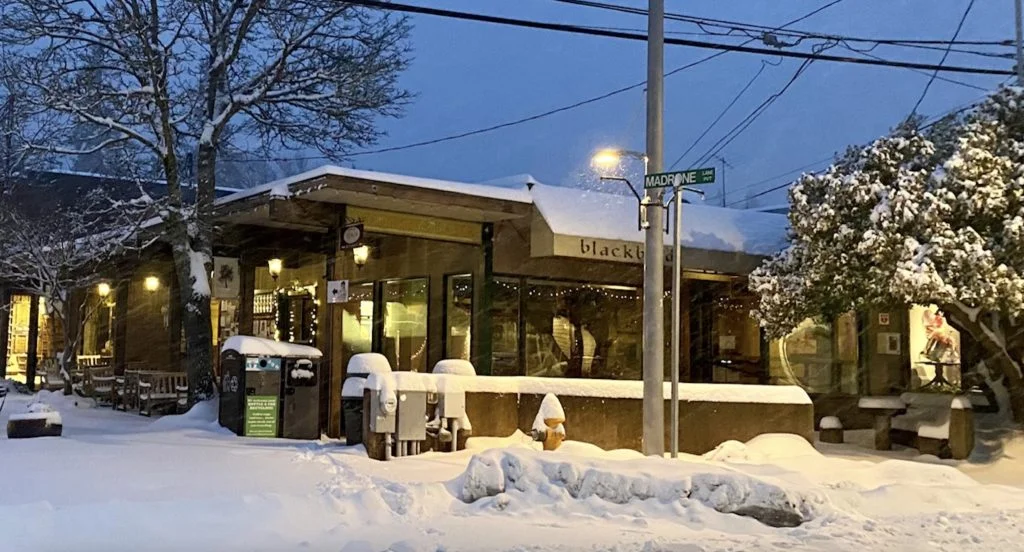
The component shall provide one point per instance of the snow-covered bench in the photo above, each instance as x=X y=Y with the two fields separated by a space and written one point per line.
x=936 y=423
x=162 y=389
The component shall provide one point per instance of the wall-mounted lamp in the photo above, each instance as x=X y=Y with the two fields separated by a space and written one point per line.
x=275 y=266
x=103 y=290
x=360 y=255
x=151 y=283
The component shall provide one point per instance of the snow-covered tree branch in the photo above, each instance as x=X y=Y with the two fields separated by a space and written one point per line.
x=58 y=254
x=930 y=216
x=169 y=78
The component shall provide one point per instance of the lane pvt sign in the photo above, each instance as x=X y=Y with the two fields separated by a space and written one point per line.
x=679 y=178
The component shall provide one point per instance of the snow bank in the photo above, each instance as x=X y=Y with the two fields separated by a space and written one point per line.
x=368 y=363
x=502 y=476
x=763 y=449
x=52 y=417
x=454 y=366
x=258 y=346
x=202 y=415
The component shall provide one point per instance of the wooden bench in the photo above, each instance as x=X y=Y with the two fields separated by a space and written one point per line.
x=934 y=423
x=95 y=382
x=162 y=389
x=53 y=380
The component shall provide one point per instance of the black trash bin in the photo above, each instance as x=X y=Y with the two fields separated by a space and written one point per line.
x=258 y=400
x=360 y=366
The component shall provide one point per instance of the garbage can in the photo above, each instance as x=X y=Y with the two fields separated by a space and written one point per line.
x=256 y=401
x=360 y=366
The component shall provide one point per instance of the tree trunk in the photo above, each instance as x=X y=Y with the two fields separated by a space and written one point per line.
x=1001 y=358
x=197 y=326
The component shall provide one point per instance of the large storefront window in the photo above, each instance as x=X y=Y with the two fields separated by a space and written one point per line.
x=357 y=321
x=459 y=316
x=820 y=356
x=405 y=324
x=934 y=347
x=505 y=327
x=98 y=330
x=19 y=330
x=579 y=330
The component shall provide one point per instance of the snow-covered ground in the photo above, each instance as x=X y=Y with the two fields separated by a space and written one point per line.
x=117 y=481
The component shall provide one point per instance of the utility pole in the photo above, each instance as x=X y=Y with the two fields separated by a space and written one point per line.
x=1020 y=43
x=724 y=165
x=654 y=243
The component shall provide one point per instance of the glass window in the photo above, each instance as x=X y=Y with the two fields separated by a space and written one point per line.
x=98 y=330
x=505 y=327
x=405 y=324
x=934 y=347
x=459 y=317
x=820 y=356
x=575 y=330
x=357 y=321
x=737 y=341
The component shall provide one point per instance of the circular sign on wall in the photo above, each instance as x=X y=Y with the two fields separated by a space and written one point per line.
x=351 y=235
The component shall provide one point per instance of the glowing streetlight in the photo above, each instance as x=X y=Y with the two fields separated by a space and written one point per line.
x=151 y=283
x=609 y=158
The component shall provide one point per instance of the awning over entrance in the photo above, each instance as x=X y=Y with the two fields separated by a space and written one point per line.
x=570 y=222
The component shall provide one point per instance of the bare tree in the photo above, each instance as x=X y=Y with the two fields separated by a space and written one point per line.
x=58 y=254
x=178 y=77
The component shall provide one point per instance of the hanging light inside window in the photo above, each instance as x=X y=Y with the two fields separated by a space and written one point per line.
x=274 y=266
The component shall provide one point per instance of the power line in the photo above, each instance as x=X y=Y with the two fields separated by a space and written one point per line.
x=734 y=133
x=778 y=176
x=934 y=121
x=720 y=115
x=792 y=33
x=927 y=86
x=945 y=79
x=467 y=16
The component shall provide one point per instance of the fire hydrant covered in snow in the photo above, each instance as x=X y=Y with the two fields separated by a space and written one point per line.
x=548 y=426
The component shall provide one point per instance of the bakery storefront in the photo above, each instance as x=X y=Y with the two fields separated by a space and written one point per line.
x=531 y=280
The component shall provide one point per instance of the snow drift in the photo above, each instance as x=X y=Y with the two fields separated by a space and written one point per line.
x=499 y=476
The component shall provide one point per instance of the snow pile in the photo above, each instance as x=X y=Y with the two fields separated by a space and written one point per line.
x=368 y=363
x=39 y=411
x=501 y=476
x=550 y=408
x=830 y=422
x=763 y=449
x=259 y=346
x=302 y=373
x=203 y=415
x=454 y=366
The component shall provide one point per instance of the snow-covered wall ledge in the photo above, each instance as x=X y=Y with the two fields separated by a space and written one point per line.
x=617 y=389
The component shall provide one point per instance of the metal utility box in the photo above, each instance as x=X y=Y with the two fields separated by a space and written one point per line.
x=383 y=412
x=301 y=399
x=258 y=400
x=412 y=422
x=452 y=405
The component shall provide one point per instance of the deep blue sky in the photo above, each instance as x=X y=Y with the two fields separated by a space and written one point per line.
x=468 y=75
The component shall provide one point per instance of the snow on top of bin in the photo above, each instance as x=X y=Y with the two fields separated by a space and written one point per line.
x=454 y=366
x=368 y=363
x=830 y=422
x=257 y=346
x=881 y=403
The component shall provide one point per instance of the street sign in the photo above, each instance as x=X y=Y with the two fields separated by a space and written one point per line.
x=679 y=178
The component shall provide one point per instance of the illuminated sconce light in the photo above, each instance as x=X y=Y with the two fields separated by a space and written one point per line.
x=275 y=266
x=360 y=255
x=103 y=290
x=151 y=283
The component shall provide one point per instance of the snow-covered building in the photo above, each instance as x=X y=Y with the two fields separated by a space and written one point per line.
x=516 y=276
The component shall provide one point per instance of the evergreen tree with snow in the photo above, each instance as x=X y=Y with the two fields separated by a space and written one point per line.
x=920 y=216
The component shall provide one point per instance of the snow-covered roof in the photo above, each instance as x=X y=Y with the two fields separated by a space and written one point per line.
x=259 y=346
x=579 y=212
x=586 y=213
x=281 y=187
x=518 y=181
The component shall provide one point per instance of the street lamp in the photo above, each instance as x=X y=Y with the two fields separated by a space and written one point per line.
x=609 y=158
